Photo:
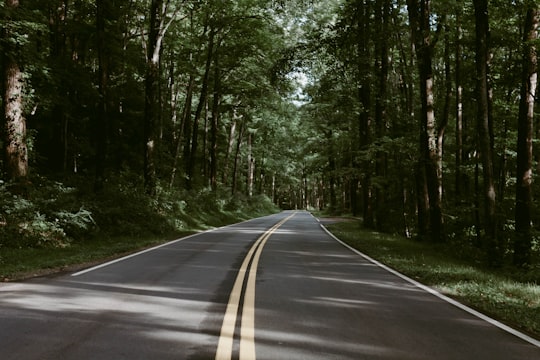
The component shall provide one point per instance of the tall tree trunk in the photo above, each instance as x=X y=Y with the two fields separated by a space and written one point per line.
x=230 y=142
x=15 y=149
x=236 y=158
x=332 y=186
x=485 y=132
x=332 y=173
x=206 y=153
x=215 y=124
x=522 y=245
x=58 y=13
x=459 y=110
x=198 y=112
x=151 y=106
x=420 y=19
x=446 y=111
x=250 y=165
x=101 y=130
x=184 y=121
x=382 y=67
x=364 y=95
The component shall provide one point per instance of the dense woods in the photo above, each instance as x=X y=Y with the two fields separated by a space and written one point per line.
x=417 y=116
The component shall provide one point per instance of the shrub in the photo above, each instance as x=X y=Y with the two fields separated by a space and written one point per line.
x=44 y=218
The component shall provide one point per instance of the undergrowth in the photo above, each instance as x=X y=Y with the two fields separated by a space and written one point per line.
x=55 y=225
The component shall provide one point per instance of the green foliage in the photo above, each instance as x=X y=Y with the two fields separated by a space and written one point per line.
x=61 y=226
x=45 y=218
x=56 y=215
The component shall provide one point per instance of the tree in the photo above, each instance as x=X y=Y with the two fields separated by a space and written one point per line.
x=157 y=28
x=365 y=118
x=382 y=15
x=459 y=106
x=192 y=153
x=420 y=19
x=15 y=147
x=485 y=124
x=523 y=242
x=102 y=121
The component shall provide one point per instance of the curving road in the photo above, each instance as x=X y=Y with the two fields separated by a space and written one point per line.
x=277 y=287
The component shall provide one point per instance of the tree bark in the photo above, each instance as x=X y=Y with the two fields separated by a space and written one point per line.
x=151 y=106
x=230 y=142
x=459 y=110
x=215 y=124
x=198 y=112
x=59 y=149
x=250 y=165
x=15 y=148
x=523 y=242
x=419 y=15
x=364 y=95
x=441 y=129
x=101 y=130
x=237 y=157
x=485 y=138
x=382 y=68
x=184 y=122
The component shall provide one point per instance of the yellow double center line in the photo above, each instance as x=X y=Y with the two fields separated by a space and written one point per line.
x=247 y=329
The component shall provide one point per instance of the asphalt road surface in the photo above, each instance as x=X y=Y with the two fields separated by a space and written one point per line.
x=277 y=287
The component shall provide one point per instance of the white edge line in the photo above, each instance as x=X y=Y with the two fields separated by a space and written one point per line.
x=137 y=254
x=152 y=249
x=434 y=292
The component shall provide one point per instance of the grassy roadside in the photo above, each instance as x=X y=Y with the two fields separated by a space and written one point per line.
x=19 y=264
x=121 y=223
x=513 y=298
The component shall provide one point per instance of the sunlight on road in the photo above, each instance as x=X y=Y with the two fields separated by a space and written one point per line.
x=142 y=301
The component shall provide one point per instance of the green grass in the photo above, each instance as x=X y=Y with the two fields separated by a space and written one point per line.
x=510 y=296
x=18 y=264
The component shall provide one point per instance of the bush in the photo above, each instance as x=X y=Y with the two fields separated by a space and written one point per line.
x=54 y=214
x=43 y=218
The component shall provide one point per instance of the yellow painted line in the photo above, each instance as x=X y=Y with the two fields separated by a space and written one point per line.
x=226 y=337
x=247 y=330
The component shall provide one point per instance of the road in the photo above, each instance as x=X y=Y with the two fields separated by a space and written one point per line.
x=277 y=287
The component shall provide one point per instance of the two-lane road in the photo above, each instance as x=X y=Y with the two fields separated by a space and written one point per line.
x=277 y=287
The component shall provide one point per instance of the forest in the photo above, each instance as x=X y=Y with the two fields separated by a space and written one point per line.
x=415 y=116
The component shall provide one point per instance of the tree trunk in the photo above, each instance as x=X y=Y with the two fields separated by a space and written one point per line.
x=198 y=112
x=15 y=149
x=364 y=95
x=485 y=132
x=332 y=186
x=354 y=195
x=522 y=245
x=382 y=68
x=206 y=153
x=58 y=13
x=236 y=158
x=151 y=106
x=185 y=121
x=101 y=129
x=215 y=125
x=419 y=15
x=230 y=142
x=250 y=165
x=446 y=111
x=459 y=111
